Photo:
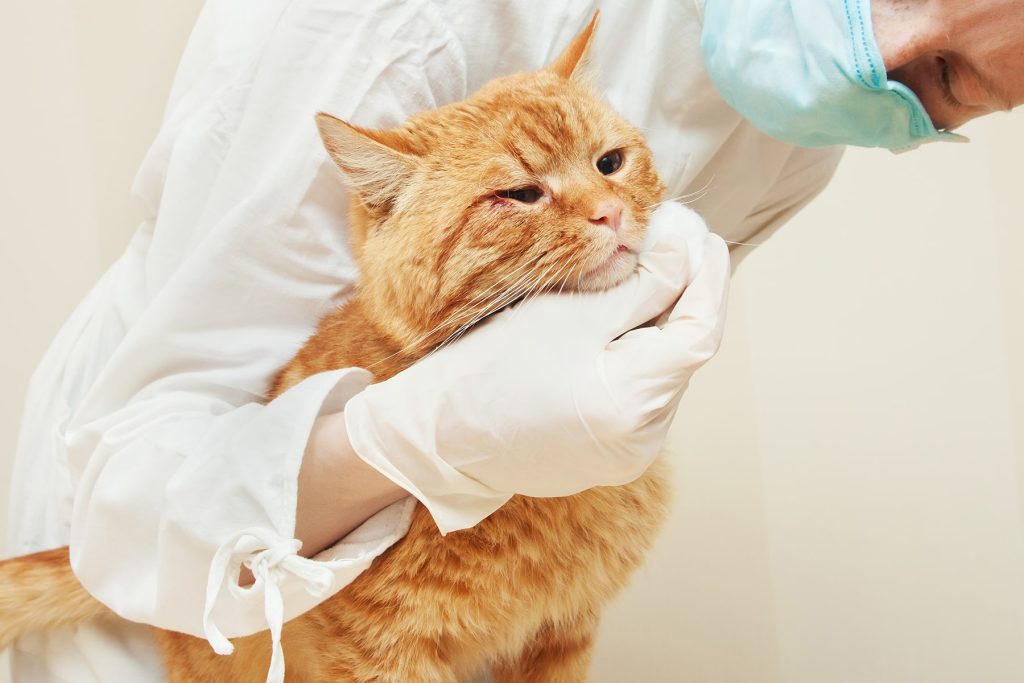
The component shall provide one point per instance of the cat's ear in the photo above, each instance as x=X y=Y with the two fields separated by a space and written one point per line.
x=372 y=161
x=572 y=63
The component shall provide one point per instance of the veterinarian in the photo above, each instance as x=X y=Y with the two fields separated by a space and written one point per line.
x=145 y=443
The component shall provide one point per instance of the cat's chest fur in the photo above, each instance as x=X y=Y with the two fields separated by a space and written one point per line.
x=484 y=595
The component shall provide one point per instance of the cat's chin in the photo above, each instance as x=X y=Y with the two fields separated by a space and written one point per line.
x=617 y=268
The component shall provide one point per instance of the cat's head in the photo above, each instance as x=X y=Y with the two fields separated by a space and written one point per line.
x=532 y=183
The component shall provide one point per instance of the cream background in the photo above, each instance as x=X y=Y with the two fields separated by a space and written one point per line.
x=849 y=468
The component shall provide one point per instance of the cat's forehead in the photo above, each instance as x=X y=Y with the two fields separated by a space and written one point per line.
x=533 y=117
x=543 y=104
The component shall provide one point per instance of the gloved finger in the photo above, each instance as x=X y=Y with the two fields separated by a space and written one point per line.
x=672 y=253
x=661 y=357
x=707 y=294
x=673 y=217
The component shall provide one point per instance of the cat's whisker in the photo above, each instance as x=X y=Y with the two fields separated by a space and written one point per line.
x=500 y=301
x=505 y=296
x=523 y=293
x=507 y=299
x=549 y=282
x=548 y=285
x=573 y=263
x=537 y=288
x=572 y=268
x=465 y=310
x=523 y=271
x=705 y=189
x=422 y=338
x=742 y=244
x=501 y=281
x=689 y=197
x=513 y=295
x=685 y=199
x=565 y=280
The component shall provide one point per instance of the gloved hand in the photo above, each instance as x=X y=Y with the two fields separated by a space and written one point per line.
x=557 y=394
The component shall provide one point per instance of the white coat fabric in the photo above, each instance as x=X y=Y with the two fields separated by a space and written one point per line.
x=145 y=441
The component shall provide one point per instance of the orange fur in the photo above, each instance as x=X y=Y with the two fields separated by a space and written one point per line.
x=522 y=591
x=39 y=591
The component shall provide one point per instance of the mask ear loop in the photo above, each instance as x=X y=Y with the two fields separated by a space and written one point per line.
x=870 y=68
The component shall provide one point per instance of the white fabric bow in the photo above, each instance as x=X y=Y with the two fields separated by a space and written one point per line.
x=268 y=556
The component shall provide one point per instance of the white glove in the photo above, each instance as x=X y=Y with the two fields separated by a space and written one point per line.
x=557 y=394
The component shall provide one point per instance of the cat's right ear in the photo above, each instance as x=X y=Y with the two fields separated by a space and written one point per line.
x=572 y=63
x=377 y=172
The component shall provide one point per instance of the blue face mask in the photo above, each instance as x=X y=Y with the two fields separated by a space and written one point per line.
x=810 y=72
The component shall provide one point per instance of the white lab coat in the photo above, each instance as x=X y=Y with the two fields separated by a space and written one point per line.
x=145 y=442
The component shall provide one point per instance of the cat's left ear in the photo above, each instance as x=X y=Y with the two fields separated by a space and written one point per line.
x=572 y=63
x=372 y=160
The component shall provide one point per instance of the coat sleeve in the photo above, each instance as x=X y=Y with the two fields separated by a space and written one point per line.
x=803 y=177
x=178 y=490
x=180 y=471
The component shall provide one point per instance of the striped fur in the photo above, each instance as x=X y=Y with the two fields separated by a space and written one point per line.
x=39 y=592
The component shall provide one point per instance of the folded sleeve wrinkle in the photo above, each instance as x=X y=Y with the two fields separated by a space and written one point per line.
x=181 y=473
x=166 y=485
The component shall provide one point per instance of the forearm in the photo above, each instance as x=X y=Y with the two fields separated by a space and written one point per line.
x=337 y=490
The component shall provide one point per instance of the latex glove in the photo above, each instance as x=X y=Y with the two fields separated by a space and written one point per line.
x=557 y=394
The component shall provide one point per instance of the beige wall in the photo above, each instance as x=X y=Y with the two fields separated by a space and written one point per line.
x=84 y=85
x=849 y=482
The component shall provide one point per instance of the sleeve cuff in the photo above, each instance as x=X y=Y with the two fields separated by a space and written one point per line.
x=287 y=584
x=455 y=500
x=283 y=577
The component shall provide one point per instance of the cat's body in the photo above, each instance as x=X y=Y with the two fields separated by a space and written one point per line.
x=522 y=591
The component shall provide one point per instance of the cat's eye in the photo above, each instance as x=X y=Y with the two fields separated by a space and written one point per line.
x=526 y=195
x=610 y=162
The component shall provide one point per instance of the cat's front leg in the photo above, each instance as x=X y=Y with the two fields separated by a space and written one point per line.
x=559 y=653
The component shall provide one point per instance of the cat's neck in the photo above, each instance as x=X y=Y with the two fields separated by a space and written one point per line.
x=361 y=341
x=363 y=336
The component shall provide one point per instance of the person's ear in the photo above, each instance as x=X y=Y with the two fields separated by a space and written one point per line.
x=374 y=162
x=572 y=63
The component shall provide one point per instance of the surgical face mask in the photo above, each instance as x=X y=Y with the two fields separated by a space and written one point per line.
x=810 y=72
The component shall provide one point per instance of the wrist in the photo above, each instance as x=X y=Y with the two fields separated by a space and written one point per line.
x=338 y=491
x=358 y=478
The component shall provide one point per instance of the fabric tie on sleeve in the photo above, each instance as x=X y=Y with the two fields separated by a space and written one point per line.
x=268 y=556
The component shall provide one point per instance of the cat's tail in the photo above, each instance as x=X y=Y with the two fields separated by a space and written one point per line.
x=39 y=592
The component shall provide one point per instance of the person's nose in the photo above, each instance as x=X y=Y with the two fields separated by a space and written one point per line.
x=607 y=212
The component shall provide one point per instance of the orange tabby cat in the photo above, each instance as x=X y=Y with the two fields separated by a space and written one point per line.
x=452 y=206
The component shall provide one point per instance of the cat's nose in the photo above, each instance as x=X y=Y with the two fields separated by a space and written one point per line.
x=607 y=212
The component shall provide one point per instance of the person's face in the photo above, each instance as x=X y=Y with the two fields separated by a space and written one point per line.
x=963 y=58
